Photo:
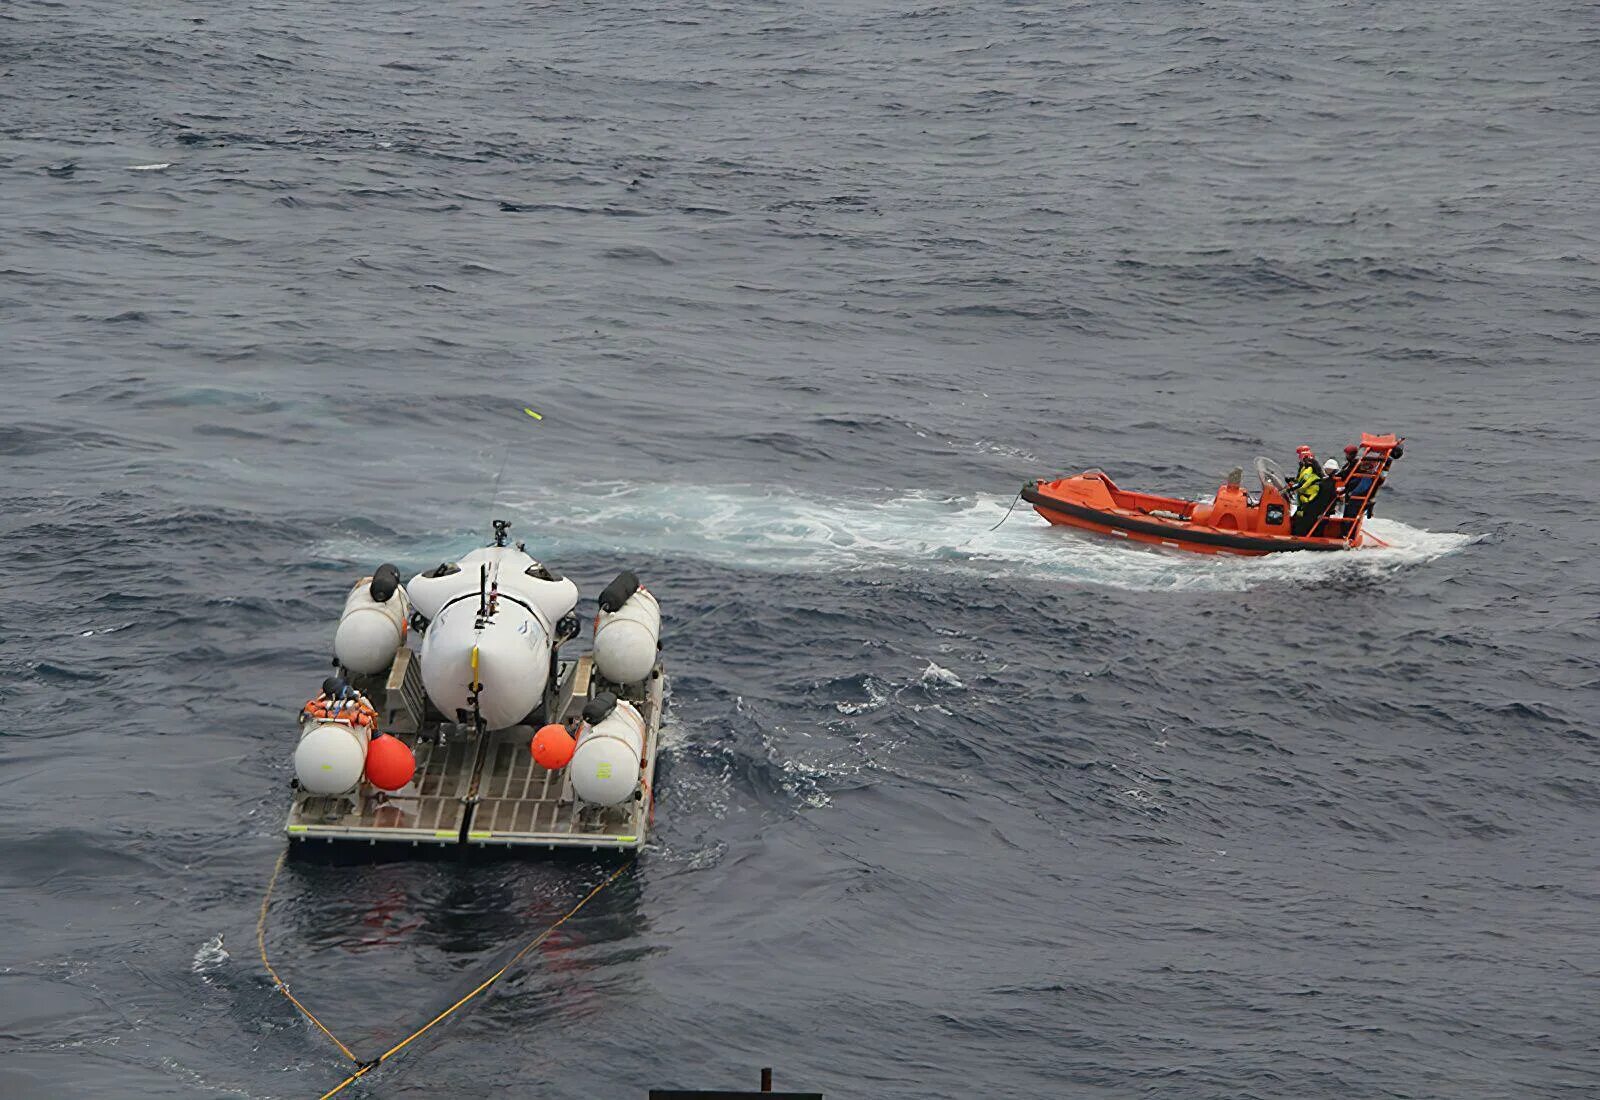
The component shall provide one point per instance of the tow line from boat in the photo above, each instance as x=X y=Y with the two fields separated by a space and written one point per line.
x=1003 y=518
x=362 y=1068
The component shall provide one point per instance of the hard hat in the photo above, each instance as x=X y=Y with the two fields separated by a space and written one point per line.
x=1351 y=449
x=1330 y=467
x=1302 y=450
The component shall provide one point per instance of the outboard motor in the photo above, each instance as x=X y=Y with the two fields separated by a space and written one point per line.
x=627 y=631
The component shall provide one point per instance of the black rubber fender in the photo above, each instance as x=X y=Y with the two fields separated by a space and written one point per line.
x=385 y=581
x=599 y=708
x=619 y=591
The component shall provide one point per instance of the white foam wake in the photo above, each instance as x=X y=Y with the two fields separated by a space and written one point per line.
x=208 y=957
x=771 y=528
x=777 y=528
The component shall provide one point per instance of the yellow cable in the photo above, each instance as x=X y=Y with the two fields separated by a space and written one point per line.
x=261 y=944
x=366 y=1067
x=491 y=979
x=342 y=1085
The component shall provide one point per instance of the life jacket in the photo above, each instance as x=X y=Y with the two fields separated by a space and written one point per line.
x=1307 y=483
x=351 y=712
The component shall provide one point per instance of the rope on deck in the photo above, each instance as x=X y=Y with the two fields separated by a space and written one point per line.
x=364 y=1068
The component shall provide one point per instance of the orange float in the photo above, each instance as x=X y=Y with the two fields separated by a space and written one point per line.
x=552 y=747
x=390 y=764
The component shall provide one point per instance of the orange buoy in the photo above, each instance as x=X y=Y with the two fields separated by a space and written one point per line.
x=552 y=747
x=390 y=765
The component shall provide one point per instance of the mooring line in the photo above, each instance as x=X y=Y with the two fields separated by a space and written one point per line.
x=1007 y=516
x=282 y=987
x=364 y=1068
x=1003 y=518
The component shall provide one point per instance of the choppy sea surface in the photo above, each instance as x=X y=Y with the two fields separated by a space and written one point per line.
x=804 y=291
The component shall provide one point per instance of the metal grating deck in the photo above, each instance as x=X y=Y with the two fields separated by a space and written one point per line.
x=487 y=790
x=431 y=809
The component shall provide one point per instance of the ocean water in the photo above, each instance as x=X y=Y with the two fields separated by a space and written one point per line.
x=804 y=292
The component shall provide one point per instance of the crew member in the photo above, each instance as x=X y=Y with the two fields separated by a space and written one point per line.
x=1306 y=489
x=1341 y=478
x=1327 y=497
x=1351 y=453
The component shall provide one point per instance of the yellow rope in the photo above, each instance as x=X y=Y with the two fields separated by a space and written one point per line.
x=342 y=1085
x=261 y=943
x=364 y=1068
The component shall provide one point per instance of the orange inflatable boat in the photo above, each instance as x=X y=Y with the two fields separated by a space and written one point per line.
x=1235 y=522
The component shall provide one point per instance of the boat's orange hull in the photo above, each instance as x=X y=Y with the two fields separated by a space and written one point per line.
x=1230 y=525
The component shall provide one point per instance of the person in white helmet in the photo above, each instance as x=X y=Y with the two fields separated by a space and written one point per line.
x=1309 y=518
x=1332 y=483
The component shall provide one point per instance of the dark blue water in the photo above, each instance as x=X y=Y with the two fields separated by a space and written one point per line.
x=804 y=292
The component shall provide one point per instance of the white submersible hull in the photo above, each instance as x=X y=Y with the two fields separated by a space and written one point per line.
x=486 y=656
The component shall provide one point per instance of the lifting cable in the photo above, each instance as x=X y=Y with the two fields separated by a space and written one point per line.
x=364 y=1068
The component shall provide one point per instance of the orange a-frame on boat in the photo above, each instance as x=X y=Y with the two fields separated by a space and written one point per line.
x=1233 y=523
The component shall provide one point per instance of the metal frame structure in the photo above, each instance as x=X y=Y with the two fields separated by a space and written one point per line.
x=483 y=789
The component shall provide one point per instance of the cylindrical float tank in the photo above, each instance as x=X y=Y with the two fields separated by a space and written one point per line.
x=605 y=766
x=626 y=640
x=330 y=757
x=371 y=630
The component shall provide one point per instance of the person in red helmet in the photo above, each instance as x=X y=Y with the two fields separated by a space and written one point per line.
x=1310 y=490
x=1356 y=479
x=1302 y=455
x=1341 y=480
x=1350 y=454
